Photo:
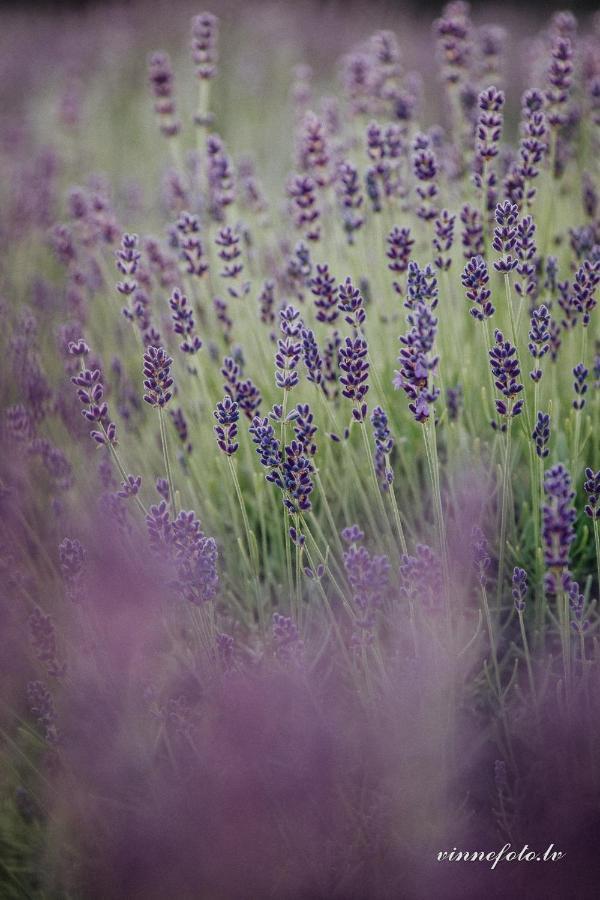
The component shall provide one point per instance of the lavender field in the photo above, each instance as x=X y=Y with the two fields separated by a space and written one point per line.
x=299 y=453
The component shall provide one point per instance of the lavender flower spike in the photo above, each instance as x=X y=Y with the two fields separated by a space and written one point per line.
x=227 y=415
x=158 y=381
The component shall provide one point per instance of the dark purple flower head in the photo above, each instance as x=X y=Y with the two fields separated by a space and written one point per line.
x=190 y=244
x=157 y=380
x=90 y=391
x=205 y=36
x=128 y=257
x=417 y=366
x=505 y=236
x=526 y=250
x=350 y=302
x=228 y=241
x=181 y=427
x=183 y=322
x=312 y=356
x=355 y=372
x=443 y=240
x=384 y=444
x=78 y=348
x=539 y=338
x=559 y=81
x=591 y=486
x=472 y=233
x=425 y=169
x=489 y=129
x=267 y=445
x=475 y=279
x=454 y=401
x=313 y=153
x=505 y=369
x=421 y=286
x=304 y=427
x=580 y=374
x=227 y=416
x=289 y=348
x=195 y=557
x=519 y=588
x=541 y=434
x=352 y=534
x=160 y=76
x=455 y=43
x=130 y=487
x=585 y=283
x=221 y=177
x=400 y=244
x=306 y=213
x=558 y=520
x=324 y=289
x=350 y=197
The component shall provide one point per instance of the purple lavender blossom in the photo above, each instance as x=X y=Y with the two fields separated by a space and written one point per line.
x=585 y=283
x=289 y=349
x=454 y=400
x=384 y=444
x=519 y=588
x=591 y=486
x=580 y=374
x=539 y=338
x=323 y=287
x=183 y=322
x=160 y=76
x=559 y=81
x=158 y=381
x=354 y=380
x=350 y=198
x=417 y=366
x=350 y=302
x=558 y=521
x=505 y=236
x=472 y=233
x=400 y=244
x=205 y=35
x=475 y=279
x=444 y=239
x=505 y=369
x=541 y=434
x=227 y=416
x=425 y=169
x=302 y=193
x=90 y=392
x=312 y=357
x=525 y=247
x=130 y=487
x=489 y=129
x=190 y=244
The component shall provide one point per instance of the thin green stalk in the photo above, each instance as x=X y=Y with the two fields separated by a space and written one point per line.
x=504 y=506
x=165 y=450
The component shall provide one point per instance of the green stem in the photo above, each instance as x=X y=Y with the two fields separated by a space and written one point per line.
x=165 y=450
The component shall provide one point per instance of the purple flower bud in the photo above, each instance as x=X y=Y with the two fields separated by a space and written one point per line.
x=157 y=372
x=227 y=416
x=519 y=588
x=591 y=486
